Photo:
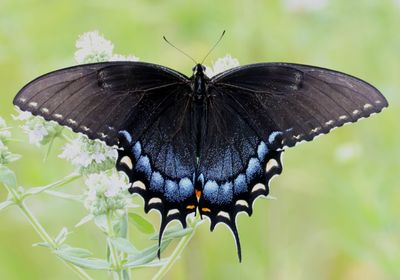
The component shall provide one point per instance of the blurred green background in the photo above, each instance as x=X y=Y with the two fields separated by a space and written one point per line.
x=336 y=215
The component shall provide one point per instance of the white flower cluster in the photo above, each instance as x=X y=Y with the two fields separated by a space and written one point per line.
x=299 y=6
x=5 y=135
x=89 y=156
x=106 y=193
x=222 y=64
x=40 y=131
x=92 y=47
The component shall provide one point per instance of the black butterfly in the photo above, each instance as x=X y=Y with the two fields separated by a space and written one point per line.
x=199 y=143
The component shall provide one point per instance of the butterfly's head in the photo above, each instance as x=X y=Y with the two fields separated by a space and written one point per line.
x=199 y=69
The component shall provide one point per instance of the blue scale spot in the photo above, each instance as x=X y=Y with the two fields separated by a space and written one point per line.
x=156 y=182
x=262 y=151
x=210 y=191
x=240 y=184
x=185 y=187
x=253 y=168
x=126 y=135
x=143 y=165
x=172 y=191
x=226 y=193
x=273 y=135
x=137 y=150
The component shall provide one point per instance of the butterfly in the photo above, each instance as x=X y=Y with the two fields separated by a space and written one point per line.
x=200 y=144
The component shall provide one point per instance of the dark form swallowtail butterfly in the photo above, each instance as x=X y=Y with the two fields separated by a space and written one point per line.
x=199 y=144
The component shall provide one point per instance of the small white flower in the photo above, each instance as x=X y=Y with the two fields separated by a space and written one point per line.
x=5 y=135
x=347 y=152
x=89 y=156
x=305 y=5
x=92 y=47
x=22 y=115
x=40 y=131
x=221 y=65
x=36 y=133
x=106 y=192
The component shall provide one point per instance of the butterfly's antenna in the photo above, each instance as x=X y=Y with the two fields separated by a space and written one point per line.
x=216 y=44
x=182 y=52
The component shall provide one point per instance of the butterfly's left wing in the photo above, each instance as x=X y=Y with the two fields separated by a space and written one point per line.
x=256 y=110
x=141 y=107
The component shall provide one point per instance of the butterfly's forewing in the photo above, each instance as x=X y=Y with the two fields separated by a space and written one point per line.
x=144 y=108
x=298 y=101
x=256 y=110
x=103 y=98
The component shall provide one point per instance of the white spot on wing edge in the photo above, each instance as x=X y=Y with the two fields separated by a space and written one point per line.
x=272 y=163
x=33 y=104
x=173 y=212
x=155 y=200
x=258 y=186
x=139 y=184
x=224 y=214
x=242 y=202
x=127 y=161
x=71 y=121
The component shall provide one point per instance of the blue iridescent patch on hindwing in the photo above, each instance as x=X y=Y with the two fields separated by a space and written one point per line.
x=222 y=196
x=170 y=193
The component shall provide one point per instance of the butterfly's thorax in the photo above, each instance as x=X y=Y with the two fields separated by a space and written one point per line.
x=199 y=94
x=199 y=83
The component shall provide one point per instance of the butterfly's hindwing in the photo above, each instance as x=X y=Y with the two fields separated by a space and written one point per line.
x=163 y=159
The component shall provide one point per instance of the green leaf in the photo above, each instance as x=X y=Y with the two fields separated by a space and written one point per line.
x=141 y=223
x=61 y=236
x=67 y=179
x=124 y=245
x=101 y=222
x=92 y=263
x=121 y=228
x=63 y=195
x=41 y=244
x=153 y=263
x=84 y=220
x=146 y=256
x=173 y=233
x=7 y=177
x=5 y=204
x=76 y=252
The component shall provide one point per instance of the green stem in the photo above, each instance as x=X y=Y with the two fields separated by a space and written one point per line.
x=176 y=253
x=46 y=237
x=19 y=201
x=67 y=179
x=115 y=257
